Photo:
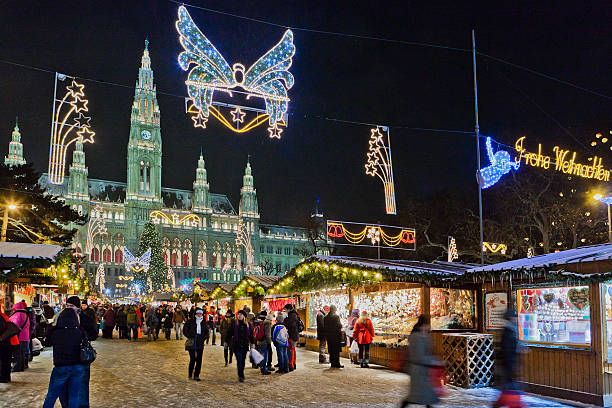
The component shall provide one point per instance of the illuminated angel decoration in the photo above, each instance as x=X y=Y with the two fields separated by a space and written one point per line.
x=69 y=124
x=100 y=277
x=137 y=264
x=170 y=277
x=243 y=238
x=268 y=78
x=379 y=164
x=501 y=164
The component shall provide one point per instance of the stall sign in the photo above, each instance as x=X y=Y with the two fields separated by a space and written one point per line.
x=496 y=304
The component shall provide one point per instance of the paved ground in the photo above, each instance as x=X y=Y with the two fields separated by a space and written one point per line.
x=154 y=374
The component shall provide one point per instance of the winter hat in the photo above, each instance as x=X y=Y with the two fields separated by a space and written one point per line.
x=242 y=312
x=364 y=313
x=198 y=310
x=229 y=313
x=74 y=300
x=280 y=317
x=355 y=313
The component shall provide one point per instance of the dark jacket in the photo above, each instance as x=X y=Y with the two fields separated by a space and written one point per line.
x=240 y=335
x=320 y=325
x=121 y=318
x=509 y=345
x=168 y=320
x=48 y=311
x=267 y=329
x=65 y=337
x=89 y=326
x=291 y=323
x=191 y=332
x=109 y=318
x=332 y=328
x=224 y=328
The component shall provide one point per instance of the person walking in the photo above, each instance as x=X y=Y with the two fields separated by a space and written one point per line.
x=292 y=323
x=167 y=322
x=510 y=393
x=321 y=335
x=240 y=336
x=280 y=337
x=153 y=324
x=196 y=332
x=363 y=333
x=178 y=319
x=109 y=323
x=263 y=338
x=420 y=361
x=333 y=335
x=21 y=318
x=211 y=321
x=7 y=344
x=121 y=322
x=350 y=327
x=68 y=371
x=224 y=327
x=133 y=324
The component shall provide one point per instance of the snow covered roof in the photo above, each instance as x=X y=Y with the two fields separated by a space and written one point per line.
x=267 y=281
x=591 y=253
x=30 y=251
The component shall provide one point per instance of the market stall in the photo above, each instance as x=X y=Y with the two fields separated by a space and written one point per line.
x=221 y=297
x=251 y=290
x=564 y=309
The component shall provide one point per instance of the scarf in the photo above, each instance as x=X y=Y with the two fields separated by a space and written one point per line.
x=198 y=321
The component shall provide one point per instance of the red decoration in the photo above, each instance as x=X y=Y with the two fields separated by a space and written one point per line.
x=335 y=231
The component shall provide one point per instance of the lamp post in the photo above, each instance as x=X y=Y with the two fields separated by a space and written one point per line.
x=607 y=201
x=7 y=207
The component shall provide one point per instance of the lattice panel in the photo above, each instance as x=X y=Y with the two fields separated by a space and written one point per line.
x=469 y=359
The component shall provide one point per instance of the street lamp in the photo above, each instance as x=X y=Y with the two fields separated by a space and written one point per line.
x=5 y=220
x=607 y=201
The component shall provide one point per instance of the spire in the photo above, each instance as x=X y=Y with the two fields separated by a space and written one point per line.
x=145 y=108
x=15 y=153
x=201 y=188
x=248 y=194
x=78 y=188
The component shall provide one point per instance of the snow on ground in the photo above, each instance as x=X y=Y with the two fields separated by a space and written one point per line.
x=154 y=374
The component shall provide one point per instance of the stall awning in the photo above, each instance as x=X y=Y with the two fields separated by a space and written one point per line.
x=29 y=251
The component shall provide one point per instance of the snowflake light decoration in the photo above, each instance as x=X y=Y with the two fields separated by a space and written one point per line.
x=380 y=164
x=268 y=78
x=374 y=235
x=69 y=123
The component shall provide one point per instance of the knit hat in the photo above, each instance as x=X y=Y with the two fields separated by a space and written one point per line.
x=74 y=300
x=242 y=312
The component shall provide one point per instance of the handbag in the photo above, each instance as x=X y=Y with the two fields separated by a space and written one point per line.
x=88 y=353
x=189 y=344
x=342 y=339
x=11 y=329
x=256 y=356
x=354 y=348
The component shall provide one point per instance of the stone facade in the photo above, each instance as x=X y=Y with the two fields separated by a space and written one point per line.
x=198 y=228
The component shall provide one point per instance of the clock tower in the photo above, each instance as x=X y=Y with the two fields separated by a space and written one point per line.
x=145 y=145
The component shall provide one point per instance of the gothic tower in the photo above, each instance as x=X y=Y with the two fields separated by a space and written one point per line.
x=15 y=154
x=145 y=144
x=248 y=195
x=78 y=188
x=201 y=189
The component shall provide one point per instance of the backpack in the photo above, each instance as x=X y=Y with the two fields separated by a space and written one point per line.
x=281 y=335
x=300 y=325
x=258 y=333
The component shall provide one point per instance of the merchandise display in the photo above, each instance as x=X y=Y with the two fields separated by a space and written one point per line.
x=391 y=312
x=608 y=310
x=554 y=315
x=452 y=309
x=317 y=301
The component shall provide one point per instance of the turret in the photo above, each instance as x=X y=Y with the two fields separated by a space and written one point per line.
x=201 y=189
x=78 y=188
x=15 y=153
x=248 y=195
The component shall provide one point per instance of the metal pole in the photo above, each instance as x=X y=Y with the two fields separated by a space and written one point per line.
x=477 y=146
x=5 y=223
x=609 y=225
x=51 y=161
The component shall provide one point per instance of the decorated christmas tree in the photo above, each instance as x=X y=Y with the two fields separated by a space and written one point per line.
x=157 y=268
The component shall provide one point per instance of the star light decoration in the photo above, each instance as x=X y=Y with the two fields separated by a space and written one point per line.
x=268 y=79
x=67 y=126
x=96 y=226
x=380 y=164
x=501 y=164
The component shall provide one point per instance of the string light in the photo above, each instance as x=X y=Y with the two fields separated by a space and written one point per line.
x=501 y=164
x=137 y=264
x=338 y=233
x=380 y=164
x=243 y=238
x=96 y=226
x=494 y=248
x=268 y=78
x=453 y=253
x=72 y=103
x=190 y=220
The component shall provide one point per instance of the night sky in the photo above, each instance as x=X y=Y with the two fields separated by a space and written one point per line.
x=336 y=77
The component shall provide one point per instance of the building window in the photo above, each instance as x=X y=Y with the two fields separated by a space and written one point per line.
x=116 y=271
x=214 y=262
x=278 y=267
x=286 y=268
x=296 y=251
x=262 y=249
x=185 y=259
x=287 y=251
x=279 y=251
x=174 y=259
x=95 y=255
x=269 y=250
x=118 y=256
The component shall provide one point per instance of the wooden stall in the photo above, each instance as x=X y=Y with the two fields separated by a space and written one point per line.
x=564 y=308
x=251 y=290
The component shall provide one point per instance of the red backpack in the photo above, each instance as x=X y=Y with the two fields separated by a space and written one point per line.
x=258 y=333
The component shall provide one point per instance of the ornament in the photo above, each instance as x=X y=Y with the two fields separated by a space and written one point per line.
x=549 y=297
x=579 y=298
x=526 y=303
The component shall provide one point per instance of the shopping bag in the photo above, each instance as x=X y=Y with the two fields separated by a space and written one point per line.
x=354 y=348
x=139 y=333
x=36 y=344
x=437 y=376
x=256 y=356
x=510 y=399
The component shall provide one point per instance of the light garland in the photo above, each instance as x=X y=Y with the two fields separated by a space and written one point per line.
x=100 y=277
x=75 y=104
x=243 y=238
x=190 y=220
x=380 y=164
x=136 y=264
x=170 y=276
x=494 y=248
x=268 y=78
x=501 y=164
x=338 y=233
x=242 y=289
x=453 y=253
x=96 y=226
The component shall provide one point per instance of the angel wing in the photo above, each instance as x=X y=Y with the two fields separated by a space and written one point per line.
x=129 y=259
x=269 y=76
x=210 y=71
x=145 y=260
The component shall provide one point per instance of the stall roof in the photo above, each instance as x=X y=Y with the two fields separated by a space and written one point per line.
x=228 y=287
x=31 y=251
x=399 y=268
x=207 y=286
x=267 y=281
x=591 y=253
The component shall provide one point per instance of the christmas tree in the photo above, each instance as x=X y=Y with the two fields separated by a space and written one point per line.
x=157 y=268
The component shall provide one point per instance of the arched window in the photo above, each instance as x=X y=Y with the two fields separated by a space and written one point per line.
x=174 y=259
x=202 y=258
x=176 y=252
x=216 y=255
x=118 y=256
x=185 y=260
x=95 y=255
x=226 y=254
x=187 y=248
x=106 y=255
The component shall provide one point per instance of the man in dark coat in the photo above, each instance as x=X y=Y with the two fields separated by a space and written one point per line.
x=48 y=310
x=321 y=335
x=509 y=345
x=332 y=328
x=292 y=325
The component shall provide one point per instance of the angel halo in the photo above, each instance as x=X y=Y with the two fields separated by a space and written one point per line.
x=268 y=78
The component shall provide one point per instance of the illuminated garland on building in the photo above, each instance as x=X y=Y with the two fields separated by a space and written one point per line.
x=136 y=264
x=380 y=164
x=67 y=116
x=96 y=226
x=453 y=253
x=243 y=238
x=100 y=277
x=190 y=220
x=337 y=233
x=242 y=289
x=268 y=78
x=501 y=164
x=494 y=248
